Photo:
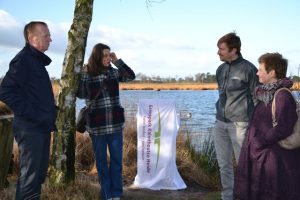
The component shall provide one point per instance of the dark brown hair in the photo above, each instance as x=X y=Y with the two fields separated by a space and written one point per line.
x=30 y=27
x=95 y=66
x=232 y=41
x=274 y=61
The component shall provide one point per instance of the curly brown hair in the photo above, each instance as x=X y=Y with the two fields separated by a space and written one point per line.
x=274 y=61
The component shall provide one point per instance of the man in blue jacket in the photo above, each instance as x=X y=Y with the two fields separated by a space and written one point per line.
x=27 y=90
x=237 y=80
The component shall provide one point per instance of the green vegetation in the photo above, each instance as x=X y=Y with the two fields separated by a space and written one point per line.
x=205 y=158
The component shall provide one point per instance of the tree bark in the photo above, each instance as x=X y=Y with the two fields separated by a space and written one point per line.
x=62 y=169
x=6 y=146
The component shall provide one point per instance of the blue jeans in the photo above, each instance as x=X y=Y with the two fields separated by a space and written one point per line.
x=228 y=139
x=110 y=176
x=34 y=148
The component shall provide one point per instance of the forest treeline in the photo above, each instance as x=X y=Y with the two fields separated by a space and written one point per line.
x=197 y=78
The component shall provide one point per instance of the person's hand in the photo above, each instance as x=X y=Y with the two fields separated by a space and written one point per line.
x=84 y=68
x=113 y=57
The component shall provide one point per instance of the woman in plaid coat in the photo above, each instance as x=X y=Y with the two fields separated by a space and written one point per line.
x=106 y=118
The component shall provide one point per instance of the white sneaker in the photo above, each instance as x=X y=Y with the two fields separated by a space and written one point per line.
x=117 y=198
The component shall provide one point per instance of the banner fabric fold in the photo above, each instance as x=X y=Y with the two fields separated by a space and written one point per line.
x=157 y=128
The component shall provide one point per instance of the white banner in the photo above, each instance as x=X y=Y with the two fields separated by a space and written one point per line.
x=157 y=128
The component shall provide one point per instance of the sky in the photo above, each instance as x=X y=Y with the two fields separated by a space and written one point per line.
x=173 y=38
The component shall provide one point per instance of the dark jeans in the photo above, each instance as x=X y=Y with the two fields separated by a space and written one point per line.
x=110 y=176
x=34 y=148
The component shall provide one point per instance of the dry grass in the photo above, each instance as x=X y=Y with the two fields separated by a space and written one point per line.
x=86 y=185
x=157 y=86
x=189 y=170
x=129 y=153
x=168 y=86
x=84 y=157
x=4 y=109
x=177 y=86
x=56 y=88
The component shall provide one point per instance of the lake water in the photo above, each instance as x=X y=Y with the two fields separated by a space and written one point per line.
x=195 y=108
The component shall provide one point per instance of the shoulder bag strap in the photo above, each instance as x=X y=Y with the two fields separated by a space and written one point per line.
x=274 y=105
x=94 y=99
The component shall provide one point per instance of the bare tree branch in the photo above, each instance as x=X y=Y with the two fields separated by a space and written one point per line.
x=149 y=4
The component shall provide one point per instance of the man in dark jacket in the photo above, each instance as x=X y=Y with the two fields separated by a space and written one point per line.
x=27 y=90
x=236 y=79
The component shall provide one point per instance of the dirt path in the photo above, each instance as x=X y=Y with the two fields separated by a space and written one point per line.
x=146 y=194
x=192 y=192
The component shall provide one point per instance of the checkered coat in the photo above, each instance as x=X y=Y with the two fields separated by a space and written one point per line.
x=106 y=115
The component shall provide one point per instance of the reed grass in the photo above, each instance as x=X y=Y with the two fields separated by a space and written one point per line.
x=156 y=86
x=205 y=158
x=168 y=86
x=195 y=167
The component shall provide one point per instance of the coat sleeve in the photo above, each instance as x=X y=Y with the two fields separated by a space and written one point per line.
x=13 y=85
x=82 y=91
x=286 y=117
x=253 y=83
x=125 y=72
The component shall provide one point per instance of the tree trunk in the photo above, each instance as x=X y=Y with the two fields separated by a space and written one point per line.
x=6 y=146
x=62 y=169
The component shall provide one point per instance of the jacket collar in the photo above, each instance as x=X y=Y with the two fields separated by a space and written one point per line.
x=43 y=57
x=239 y=59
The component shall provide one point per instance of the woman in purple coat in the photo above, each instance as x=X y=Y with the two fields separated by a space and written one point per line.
x=266 y=170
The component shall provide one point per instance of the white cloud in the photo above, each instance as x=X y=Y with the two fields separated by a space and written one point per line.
x=6 y=20
x=148 y=54
x=154 y=55
x=59 y=36
x=11 y=30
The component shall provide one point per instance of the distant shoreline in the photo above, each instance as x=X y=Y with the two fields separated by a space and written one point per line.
x=178 y=86
x=157 y=86
x=168 y=86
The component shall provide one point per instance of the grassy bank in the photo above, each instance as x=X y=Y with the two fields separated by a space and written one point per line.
x=200 y=182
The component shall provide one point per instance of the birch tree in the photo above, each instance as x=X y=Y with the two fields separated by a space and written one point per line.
x=62 y=162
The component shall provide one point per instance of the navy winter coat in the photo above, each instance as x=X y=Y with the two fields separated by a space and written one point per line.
x=27 y=90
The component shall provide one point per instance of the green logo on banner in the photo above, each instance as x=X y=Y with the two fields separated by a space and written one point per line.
x=157 y=138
